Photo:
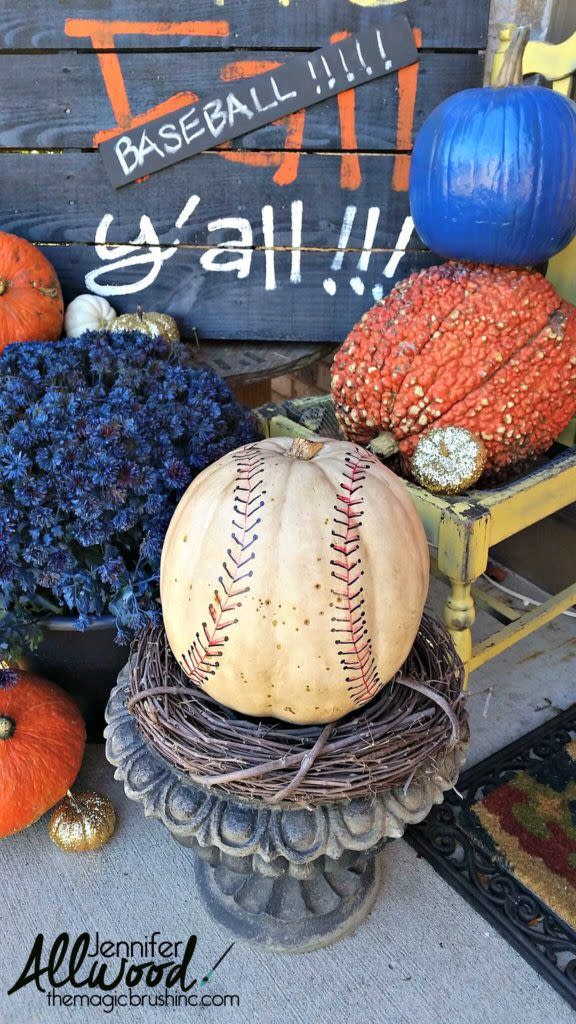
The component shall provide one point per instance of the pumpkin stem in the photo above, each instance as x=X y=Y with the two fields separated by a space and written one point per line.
x=305 y=449
x=7 y=727
x=511 y=70
x=384 y=445
x=75 y=803
x=3 y=285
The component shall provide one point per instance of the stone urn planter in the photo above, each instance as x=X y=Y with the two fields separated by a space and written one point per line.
x=284 y=877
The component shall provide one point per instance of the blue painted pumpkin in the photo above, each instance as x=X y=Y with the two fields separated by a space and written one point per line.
x=493 y=175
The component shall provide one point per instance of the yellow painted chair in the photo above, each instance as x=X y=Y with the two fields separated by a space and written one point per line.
x=461 y=530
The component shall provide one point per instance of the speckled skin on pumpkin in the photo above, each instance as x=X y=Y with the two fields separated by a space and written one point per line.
x=294 y=586
x=489 y=348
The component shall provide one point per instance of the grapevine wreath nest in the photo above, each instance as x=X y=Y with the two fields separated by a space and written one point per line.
x=410 y=724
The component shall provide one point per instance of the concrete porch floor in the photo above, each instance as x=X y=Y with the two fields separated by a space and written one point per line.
x=423 y=957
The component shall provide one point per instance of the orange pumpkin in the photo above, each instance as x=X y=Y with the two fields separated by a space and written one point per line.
x=31 y=304
x=42 y=739
x=491 y=349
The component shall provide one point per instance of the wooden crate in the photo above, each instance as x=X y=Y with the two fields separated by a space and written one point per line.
x=261 y=254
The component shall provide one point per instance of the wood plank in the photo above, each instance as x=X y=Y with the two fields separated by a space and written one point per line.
x=495 y=606
x=535 y=496
x=522 y=627
x=61 y=101
x=63 y=197
x=40 y=24
x=252 y=362
x=221 y=305
x=248 y=103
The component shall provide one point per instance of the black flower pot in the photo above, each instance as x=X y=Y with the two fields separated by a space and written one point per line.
x=86 y=663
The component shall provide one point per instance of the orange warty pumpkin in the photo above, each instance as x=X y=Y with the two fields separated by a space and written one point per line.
x=31 y=304
x=42 y=739
x=489 y=348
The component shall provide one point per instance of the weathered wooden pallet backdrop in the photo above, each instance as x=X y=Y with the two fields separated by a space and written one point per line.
x=287 y=233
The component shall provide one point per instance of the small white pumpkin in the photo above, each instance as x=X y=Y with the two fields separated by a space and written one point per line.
x=88 y=313
x=293 y=579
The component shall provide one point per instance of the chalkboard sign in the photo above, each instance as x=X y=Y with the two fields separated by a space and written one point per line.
x=287 y=233
x=294 y=86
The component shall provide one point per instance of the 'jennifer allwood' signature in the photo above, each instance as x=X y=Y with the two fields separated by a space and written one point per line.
x=113 y=963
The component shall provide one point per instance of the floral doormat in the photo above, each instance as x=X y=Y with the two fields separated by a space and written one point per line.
x=507 y=843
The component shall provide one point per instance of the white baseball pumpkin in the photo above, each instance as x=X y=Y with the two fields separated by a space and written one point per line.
x=293 y=579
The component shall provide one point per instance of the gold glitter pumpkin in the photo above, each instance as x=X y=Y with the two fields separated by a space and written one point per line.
x=83 y=821
x=448 y=460
x=152 y=324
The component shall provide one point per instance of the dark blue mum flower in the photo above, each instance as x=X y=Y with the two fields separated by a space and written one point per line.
x=99 y=438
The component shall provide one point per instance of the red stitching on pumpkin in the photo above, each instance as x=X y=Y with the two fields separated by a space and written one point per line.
x=203 y=656
x=356 y=655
